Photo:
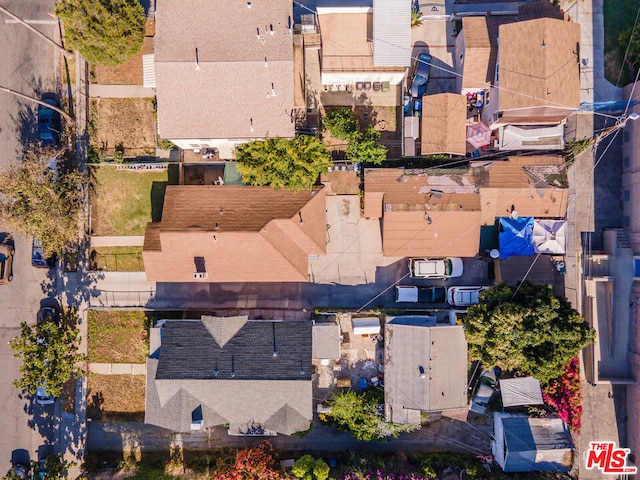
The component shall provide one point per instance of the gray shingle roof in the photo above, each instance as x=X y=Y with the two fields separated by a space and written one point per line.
x=252 y=386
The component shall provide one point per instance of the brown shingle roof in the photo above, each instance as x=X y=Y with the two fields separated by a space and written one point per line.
x=477 y=73
x=258 y=237
x=539 y=64
x=228 y=87
x=444 y=119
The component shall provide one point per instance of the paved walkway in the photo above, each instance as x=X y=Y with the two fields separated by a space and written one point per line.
x=118 y=368
x=120 y=91
x=117 y=241
x=436 y=436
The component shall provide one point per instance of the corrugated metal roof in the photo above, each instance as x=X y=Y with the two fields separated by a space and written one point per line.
x=392 y=33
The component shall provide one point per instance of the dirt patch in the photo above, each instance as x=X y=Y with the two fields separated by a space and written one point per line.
x=116 y=397
x=130 y=72
x=117 y=336
x=122 y=124
x=342 y=183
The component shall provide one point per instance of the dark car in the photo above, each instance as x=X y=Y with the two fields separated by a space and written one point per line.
x=48 y=122
x=47 y=314
x=412 y=294
x=37 y=256
x=421 y=69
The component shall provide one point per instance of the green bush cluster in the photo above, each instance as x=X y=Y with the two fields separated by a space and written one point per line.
x=363 y=144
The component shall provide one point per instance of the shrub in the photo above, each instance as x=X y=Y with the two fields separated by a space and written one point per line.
x=564 y=395
x=341 y=124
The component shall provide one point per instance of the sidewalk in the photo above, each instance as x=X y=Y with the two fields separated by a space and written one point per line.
x=120 y=91
x=117 y=241
x=118 y=368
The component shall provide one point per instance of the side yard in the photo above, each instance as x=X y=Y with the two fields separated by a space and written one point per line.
x=117 y=337
x=123 y=201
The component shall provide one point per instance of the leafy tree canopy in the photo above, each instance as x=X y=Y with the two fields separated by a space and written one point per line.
x=281 y=163
x=631 y=37
x=42 y=200
x=255 y=463
x=308 y=468
x=105 y=32
x=49 y=353
x=532 y=332
x=360 y=414
x=364 y=147
x=341 y=123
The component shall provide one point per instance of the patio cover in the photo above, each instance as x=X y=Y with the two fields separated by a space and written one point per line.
x=516 y=236
x=549 y=236
x=520 y=391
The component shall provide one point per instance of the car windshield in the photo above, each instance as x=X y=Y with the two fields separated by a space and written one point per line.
x=448 y=267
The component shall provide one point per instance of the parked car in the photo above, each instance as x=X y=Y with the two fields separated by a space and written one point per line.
x=37 y=256
x=42 y=397
x=6 y=259
x=47 y=314
x=412 y=294
x=421 y=69
x=463 y=296
x=48 y=121
x=486 y=387
x=435 y=267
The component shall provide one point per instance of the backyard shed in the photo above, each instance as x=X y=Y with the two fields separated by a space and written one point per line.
x=325 y=341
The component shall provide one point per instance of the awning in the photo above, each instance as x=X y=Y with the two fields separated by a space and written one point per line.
x=520 y=391
x=516 y=236
x=366 y=326
x=549 y=236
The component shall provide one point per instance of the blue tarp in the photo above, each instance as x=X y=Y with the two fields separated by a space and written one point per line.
x=516 y=236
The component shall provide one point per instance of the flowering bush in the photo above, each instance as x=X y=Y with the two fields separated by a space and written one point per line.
x=564 y=394
x=380 y=475
x=256 y=463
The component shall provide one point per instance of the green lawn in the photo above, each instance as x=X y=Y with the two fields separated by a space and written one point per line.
x=123 y=200
x=118 y=336
x=117 y=259
x=618 y=16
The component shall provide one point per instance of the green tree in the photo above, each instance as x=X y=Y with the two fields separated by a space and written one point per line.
x=54 y=467
x=308 y=468
x=341 y=123
x=42 y=199
x=364 y=147
x=529 y=331
x=360 y=414
x=632 y=38
x=281 y=163
x=49 y=353
x=105 y=32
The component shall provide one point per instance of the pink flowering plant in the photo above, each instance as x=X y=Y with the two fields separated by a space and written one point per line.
x=564 y=395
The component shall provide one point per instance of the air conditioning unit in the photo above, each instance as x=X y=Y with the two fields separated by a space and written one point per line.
x=200 y=275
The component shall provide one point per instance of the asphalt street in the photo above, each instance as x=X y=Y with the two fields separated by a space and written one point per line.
x=28 y=66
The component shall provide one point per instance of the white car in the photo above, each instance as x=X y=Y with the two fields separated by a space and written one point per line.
x=486 y=387
x=463 y=296
x=435 y=267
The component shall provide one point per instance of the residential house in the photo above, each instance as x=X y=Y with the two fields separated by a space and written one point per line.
x=521 y=74
x=365 y=44
x=439 y=212
x=425 y=368
x=444 y=120
x=224 y=72
x=524 y=444
x=254 y=376
x=225 y=233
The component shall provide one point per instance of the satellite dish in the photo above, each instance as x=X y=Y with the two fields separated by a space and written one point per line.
x=514 y=215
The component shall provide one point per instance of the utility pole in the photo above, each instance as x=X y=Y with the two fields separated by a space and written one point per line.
x=39 y=102
x=58 y=47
